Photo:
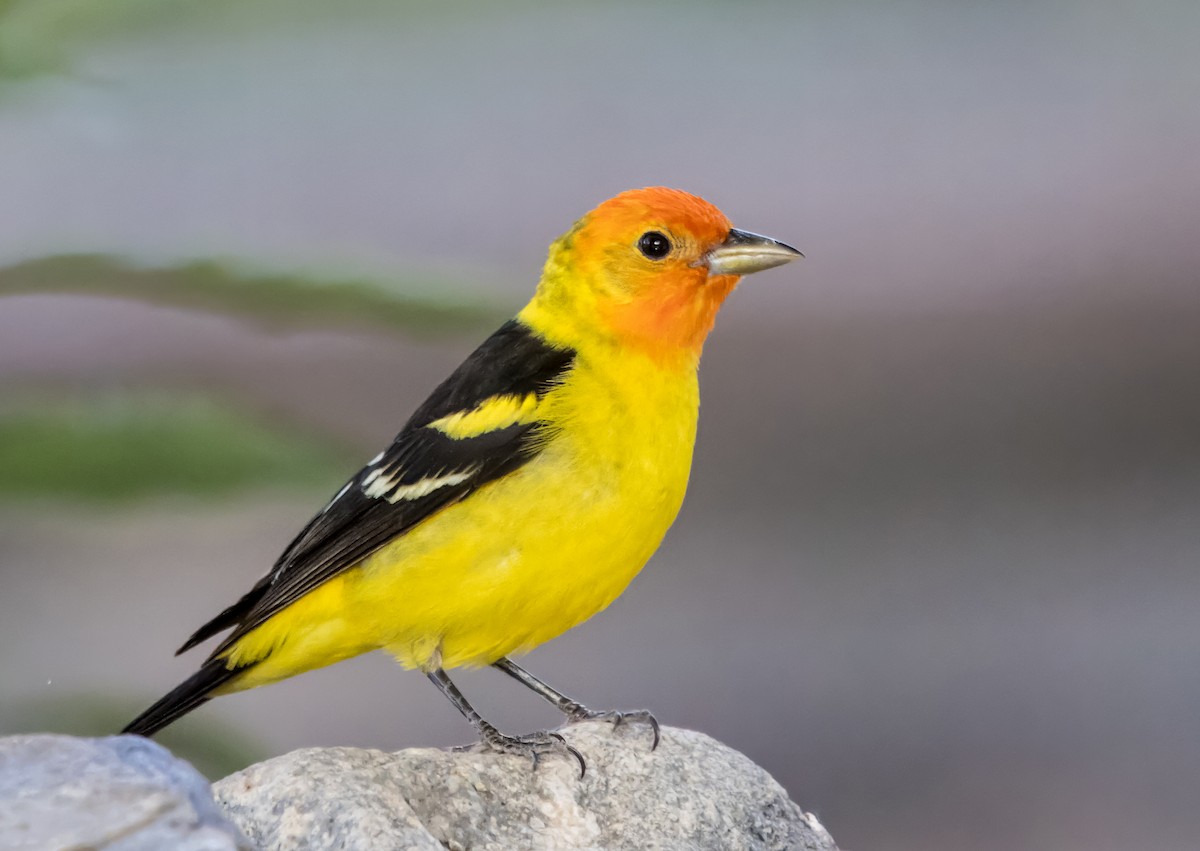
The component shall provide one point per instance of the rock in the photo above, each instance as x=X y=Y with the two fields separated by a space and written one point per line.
x=122 y=793
x=692 y=793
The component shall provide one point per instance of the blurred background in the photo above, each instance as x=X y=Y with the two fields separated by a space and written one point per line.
x=938 y=566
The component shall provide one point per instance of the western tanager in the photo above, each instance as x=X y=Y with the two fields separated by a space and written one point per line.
x=529 y=489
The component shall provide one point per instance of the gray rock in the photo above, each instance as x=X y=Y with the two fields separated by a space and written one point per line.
x=692 y=793
x=122 y=793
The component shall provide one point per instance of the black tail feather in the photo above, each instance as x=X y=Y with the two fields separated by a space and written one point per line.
x=232 y=616
x=191 y=693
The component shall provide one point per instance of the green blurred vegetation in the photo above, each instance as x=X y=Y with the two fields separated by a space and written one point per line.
x=128 y=448
x=216 y=750
x=270 y=300
x=38 y=36
x=44 y=36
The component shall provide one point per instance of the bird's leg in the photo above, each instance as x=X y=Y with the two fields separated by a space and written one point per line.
x=534 y=745
x=573 y=709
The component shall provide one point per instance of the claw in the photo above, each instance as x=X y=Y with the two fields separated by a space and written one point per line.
x=653 y=722
x=617 y=718
x=573 y=751
x=535 y=746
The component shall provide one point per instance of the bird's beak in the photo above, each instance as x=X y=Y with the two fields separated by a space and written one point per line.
x=743 y=252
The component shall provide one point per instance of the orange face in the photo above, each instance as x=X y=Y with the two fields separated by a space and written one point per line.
x=649 y=269
x=644 y=253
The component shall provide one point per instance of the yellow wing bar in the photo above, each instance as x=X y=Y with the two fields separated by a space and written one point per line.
x=491 y=414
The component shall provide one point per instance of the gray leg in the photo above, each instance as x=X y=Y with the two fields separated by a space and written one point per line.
x=534 y=746
x=573 y=709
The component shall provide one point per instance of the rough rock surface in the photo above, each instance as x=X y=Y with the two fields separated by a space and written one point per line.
x=122 y=793
x=692 y=793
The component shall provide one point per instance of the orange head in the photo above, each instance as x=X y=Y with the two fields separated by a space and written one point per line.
x=650 y=268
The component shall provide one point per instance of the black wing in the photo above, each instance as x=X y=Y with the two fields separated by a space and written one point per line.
x=423 y=471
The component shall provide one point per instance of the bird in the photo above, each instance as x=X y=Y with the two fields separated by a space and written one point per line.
x=525 y=494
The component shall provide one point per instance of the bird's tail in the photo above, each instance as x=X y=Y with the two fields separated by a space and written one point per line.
x=194 y=691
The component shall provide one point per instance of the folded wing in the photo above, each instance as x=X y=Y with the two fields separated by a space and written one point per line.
x=479 y=425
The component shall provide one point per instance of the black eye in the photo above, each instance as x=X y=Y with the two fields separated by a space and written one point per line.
x=654 y=245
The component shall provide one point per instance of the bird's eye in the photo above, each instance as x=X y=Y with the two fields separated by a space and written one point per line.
x=654 y=245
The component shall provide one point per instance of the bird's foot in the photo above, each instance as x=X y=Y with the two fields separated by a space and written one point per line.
x=578 y=712
x=534 y=746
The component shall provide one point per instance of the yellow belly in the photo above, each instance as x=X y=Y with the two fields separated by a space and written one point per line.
x=522 y=560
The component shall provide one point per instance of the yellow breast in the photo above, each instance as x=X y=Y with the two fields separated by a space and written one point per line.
x=524 y=558
x=537 y=552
